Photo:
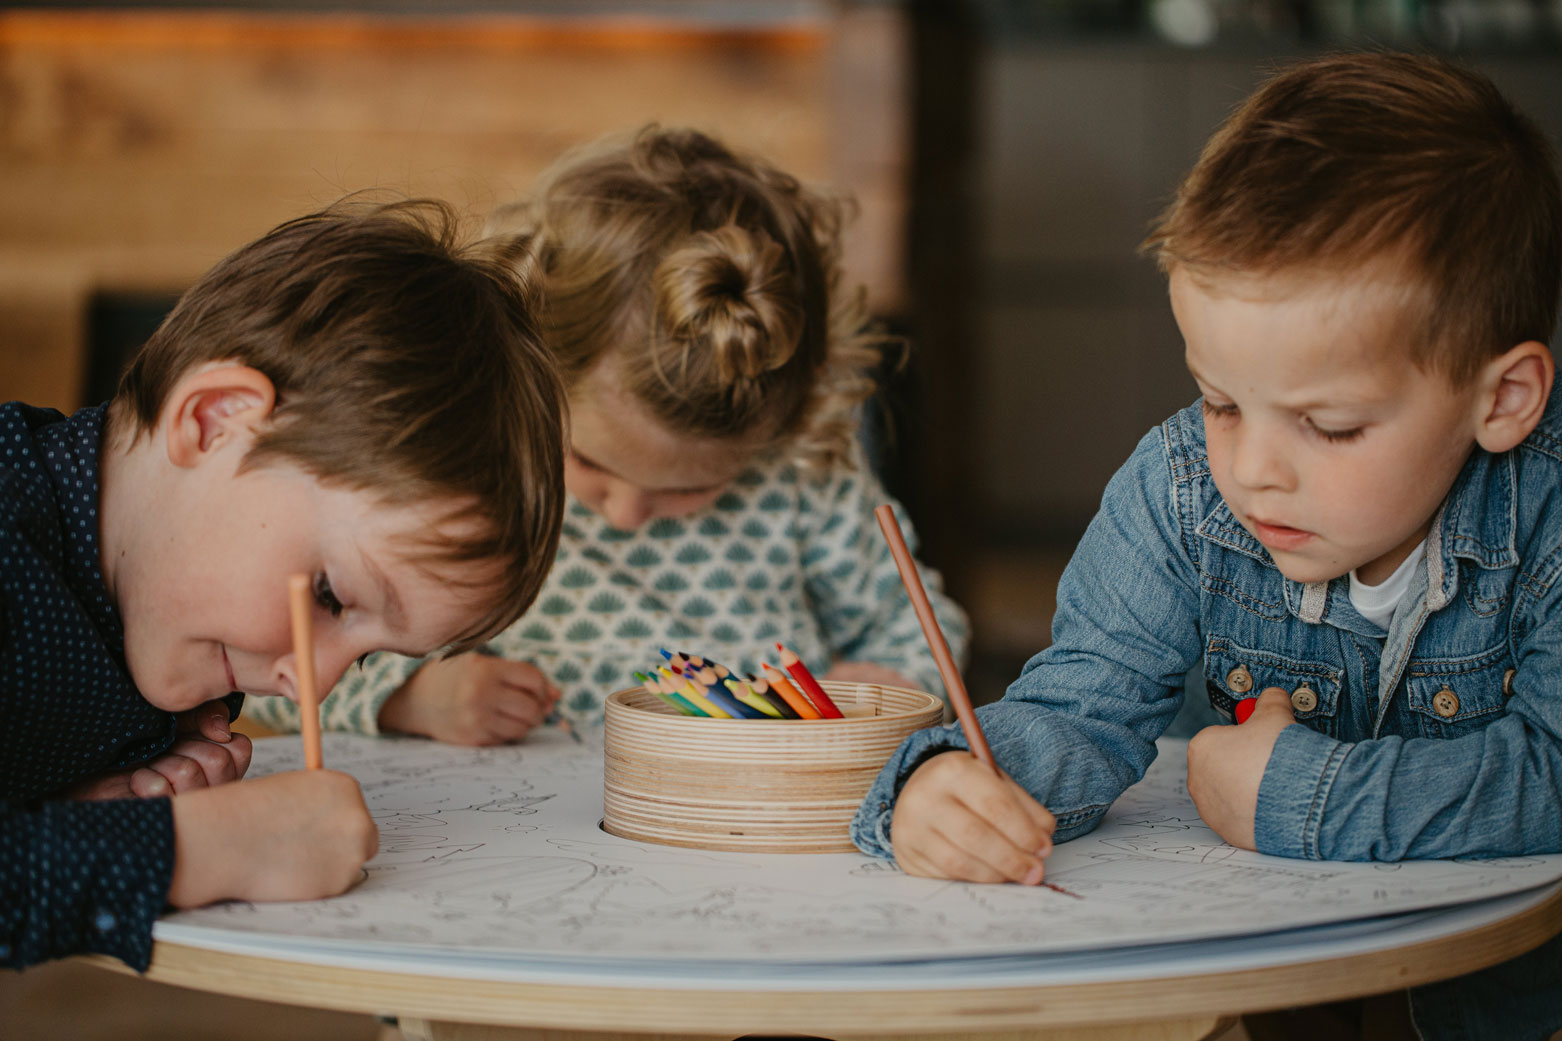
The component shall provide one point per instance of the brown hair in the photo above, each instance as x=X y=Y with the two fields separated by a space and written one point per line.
x=405 y=365
x=1410 y=159
x=711 y=279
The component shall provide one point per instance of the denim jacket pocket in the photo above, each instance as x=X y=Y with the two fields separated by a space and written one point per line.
x=1233 y=672
x=1455 y=696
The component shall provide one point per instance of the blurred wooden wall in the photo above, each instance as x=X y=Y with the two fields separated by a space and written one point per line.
x=137 y=148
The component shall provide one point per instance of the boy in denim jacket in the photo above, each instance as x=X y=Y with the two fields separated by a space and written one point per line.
x=1357 y=523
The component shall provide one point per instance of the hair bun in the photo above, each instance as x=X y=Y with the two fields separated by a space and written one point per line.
x=730 y=291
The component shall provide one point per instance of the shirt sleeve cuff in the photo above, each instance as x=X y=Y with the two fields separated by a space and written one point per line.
x=1294 y=791
x=870 y=830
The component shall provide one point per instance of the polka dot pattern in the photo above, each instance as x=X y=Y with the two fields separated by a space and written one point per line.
x=779 y=556
x=75 y=877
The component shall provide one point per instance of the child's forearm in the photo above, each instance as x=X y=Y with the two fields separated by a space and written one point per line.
x=1490 y=793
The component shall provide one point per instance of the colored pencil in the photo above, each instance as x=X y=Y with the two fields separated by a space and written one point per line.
x=731 y=705
x=749 y=698
x=762 y=688
x=651 y=684
x=301 y=606
x=807 y=684
x=953 y=684
x=794 y=697
x=683 y=688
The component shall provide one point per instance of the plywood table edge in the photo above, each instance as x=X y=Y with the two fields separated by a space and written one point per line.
x=800 y=1010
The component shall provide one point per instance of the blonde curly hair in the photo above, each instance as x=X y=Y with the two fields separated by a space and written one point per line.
x=712 y=279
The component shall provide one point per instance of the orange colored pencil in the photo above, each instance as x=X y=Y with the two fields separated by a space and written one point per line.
x=807 y=684
x=301 y=606
x=953 y=684
x=789 y=694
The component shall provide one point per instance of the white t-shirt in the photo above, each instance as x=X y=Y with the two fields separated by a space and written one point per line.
x=1377 y=603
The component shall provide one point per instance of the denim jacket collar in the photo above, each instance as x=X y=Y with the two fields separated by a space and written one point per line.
x=1477 y=522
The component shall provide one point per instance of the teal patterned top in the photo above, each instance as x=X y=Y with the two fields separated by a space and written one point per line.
x=780 y=555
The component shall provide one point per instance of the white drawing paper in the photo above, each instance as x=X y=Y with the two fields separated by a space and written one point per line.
x=495 y=856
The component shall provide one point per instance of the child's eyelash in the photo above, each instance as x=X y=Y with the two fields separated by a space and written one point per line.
x=325 y=597
x=1336 y=436
x=1212 y=409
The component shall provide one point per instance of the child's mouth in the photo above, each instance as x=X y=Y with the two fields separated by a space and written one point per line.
x=227 y=667
x=1279 y=536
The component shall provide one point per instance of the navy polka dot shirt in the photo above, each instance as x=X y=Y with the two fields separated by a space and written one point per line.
x=75 y=877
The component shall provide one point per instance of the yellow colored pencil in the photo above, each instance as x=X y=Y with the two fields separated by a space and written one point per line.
x=685 y=689
x=742 y=692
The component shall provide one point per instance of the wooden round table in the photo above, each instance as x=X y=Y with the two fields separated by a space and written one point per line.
x=1183 y=1002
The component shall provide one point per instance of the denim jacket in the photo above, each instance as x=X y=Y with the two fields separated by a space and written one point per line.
x=1441 y=737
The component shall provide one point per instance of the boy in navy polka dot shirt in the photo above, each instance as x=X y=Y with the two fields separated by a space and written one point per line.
x=355 y=396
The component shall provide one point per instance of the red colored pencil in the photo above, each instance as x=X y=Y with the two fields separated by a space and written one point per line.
x=808 y=685
x=790 y=694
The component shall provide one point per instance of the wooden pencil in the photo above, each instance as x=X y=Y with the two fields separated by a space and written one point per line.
x=301 y=607
x=793 y=697
x=681 y=686
x=747 y=697
x=953 y=684
x=761 y=687
x=804 y=680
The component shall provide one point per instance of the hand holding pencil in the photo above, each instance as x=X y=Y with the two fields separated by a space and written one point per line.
x=958 y=816
x=298 y=835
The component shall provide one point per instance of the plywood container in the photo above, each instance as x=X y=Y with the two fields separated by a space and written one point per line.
x=758 y=786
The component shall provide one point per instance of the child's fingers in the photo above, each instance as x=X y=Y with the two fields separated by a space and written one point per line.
x=523 y=675
x=1005 y=808
x=969 y=837
x=209 y=720
x=146 y=783
x=1041 y=818
x=196 y=763
x=940 y=859
x=503 y=726
x=521 y=707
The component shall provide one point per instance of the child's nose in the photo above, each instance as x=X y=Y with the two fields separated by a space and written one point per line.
x=626 y=508
x=331 y=662
x=1256 y=461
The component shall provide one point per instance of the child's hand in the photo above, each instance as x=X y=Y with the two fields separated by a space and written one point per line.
x=471 y=699
x=209 y=754
x=867 y=672
x=957 y=819
x=301 y=835
x=1226 y=765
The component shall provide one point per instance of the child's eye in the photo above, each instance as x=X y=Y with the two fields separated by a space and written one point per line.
x=1337 y=436
x=325 y=597
x=1218 y=411
x=586 y=463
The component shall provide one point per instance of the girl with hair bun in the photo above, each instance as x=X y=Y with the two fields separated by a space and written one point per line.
x=718 y=499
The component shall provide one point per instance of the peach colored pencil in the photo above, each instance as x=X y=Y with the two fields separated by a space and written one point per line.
x=953 y=684
x=301 y=604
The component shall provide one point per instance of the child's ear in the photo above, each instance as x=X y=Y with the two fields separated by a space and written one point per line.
x=1516 y=387
x=212 y=406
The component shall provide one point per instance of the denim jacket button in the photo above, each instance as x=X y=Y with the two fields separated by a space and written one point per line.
x=1239 y=679
x=1507 y=682
x=1445 y=703
x=1304 y=698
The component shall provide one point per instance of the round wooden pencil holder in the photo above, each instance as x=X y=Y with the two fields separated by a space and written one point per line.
x=757 y=786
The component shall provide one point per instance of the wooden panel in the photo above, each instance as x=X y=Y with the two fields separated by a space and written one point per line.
x=137 y=148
